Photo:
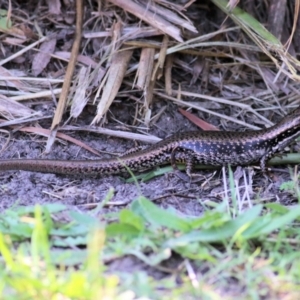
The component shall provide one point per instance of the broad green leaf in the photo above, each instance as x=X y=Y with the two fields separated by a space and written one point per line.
x=220 y=234
x=84 y=219
x=254 y=229
x=195 y=251
x=280 y=221
x=129 y=217
x=158 y=216
x=276 y=207
x=75 y=230
x=68 y=257
x=116 y=229
x=50 y=207
x=153 y=259
x=207 y=235
x=70 y=241
x=210 y=219
x=19 y=231
x=268 y=223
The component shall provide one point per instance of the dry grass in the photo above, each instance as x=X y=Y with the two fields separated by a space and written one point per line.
x=147 y=50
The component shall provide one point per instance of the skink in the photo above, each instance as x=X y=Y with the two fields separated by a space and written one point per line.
x=209 y=147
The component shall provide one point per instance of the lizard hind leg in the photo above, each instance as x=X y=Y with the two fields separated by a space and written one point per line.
x=178 y=156
x=262 y=164
x=189 y=161
x=263 y=168
x=194 y=177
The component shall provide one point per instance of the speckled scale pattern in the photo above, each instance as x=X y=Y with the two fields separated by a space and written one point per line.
x=209 y=147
